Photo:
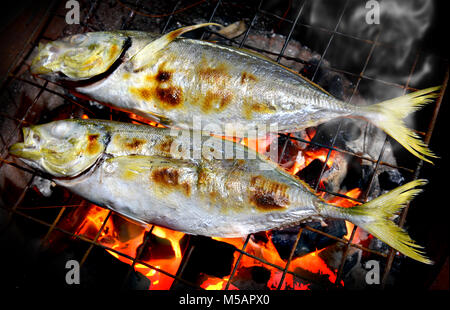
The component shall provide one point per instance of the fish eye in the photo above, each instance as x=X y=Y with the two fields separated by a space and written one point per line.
x=78 y=38
x=36 y=137
x=53 y=49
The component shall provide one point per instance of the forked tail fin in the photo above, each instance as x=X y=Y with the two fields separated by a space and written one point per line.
x=388 y=115
x=377 y=215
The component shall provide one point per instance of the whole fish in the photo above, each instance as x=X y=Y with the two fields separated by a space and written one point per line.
x=192 y=84
x=152 y=175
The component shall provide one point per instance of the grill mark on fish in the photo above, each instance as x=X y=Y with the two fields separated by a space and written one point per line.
x=163 y=76
x=218 y=95
x=251 y=107
x=165 y=144
x=134 y=144
x=158 y=87
x=169 y=178
x=247 y=77
x=207 y=184
x=216 y=100
x=93 y=146
x=142 y=93
x=268 y=195
x=213 y=74
x=171 y=96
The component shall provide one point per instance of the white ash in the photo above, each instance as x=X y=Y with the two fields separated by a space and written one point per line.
x=44 y=186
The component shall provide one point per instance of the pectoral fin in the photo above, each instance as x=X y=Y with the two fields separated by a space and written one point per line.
x=146 y=56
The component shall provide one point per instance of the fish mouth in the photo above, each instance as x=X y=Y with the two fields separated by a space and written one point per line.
x=39 y=64
x=27 y=149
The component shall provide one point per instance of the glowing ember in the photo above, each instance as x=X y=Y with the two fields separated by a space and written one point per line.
x=304 y=158
x=214 y=284
x=128 y=243
x=347 y=203
x=136 y=119
x=260 y=145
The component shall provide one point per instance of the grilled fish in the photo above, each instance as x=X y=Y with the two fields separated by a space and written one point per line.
x=188 y=83
x=152 y=175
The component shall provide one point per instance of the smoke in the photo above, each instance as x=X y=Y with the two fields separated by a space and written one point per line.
x=402 y=26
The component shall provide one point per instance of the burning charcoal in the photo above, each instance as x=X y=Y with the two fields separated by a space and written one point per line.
x=254 y=277
x=101 y=270
x=352 y=271
x=351 y=261
x=310 y=68
x=125 y=229
x=355 y=175
x=326 y=133
x=210 y=257
x=336 y=87
x=334 y=175
x=273 y=43
x=309 y=241
x=311 y=172
x=156 y=248
x=137 y=281
x=260 y=274
x=260 y=237
x=350 y=130
x=331 y=81
x=287 y=151
x=390 y=179
x=304 y=135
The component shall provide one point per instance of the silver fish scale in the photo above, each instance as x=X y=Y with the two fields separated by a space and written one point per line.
x=242 y=89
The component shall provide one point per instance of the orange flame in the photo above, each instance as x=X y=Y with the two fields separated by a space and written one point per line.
x=304 y=158
x=110 y=238
x=347 y=203
x=137 y=119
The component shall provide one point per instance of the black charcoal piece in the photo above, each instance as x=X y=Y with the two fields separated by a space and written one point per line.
x=284 y=239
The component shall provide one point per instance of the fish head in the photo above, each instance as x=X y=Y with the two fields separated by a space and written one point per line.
x=78 y=57
x=64 y=148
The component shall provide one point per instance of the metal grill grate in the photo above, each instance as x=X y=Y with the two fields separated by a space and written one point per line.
x=132 y=10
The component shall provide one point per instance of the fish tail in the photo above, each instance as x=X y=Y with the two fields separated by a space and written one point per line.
x=388 y=115
x=377 y=217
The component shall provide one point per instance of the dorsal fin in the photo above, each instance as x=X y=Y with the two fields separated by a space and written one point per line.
x=146 y=55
